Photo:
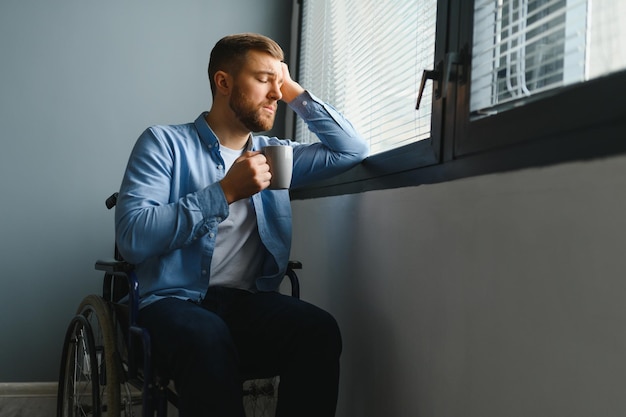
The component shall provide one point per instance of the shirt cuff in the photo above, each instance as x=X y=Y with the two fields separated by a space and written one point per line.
x=213 y=204
x=306 y=104
x=309 y=107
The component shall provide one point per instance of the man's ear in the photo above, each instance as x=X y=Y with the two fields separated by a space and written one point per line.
x=223 y=82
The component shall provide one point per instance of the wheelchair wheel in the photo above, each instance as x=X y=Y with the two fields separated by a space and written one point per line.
x=91 y=370
x=78 y=392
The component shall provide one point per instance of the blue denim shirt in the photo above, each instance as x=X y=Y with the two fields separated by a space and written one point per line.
x=171 y=203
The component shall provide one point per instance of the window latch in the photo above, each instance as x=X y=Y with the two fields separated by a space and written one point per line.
x=441 y=74
x=434 y=75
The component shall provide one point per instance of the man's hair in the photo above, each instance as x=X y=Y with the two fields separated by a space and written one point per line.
x=229 y=53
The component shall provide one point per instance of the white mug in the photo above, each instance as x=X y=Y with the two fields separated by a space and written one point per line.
x=280 y=160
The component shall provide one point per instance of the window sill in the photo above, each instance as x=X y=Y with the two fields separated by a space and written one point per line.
x=373 y=172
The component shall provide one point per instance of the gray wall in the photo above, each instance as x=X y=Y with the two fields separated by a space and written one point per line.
x=499 y=295
x=79 y=81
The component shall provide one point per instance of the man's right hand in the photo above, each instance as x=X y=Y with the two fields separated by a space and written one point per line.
x=249 y=174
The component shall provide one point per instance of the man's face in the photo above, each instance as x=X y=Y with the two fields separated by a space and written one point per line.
x=256 y=91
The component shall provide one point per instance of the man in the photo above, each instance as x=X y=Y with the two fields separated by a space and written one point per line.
x=211 y=243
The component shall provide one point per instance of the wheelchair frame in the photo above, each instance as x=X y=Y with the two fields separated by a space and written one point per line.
x=100 y=374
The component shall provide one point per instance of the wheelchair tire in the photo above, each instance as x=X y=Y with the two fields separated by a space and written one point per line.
x=103 y=366
x=78 y=393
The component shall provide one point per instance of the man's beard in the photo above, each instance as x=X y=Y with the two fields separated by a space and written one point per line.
x=247 y=114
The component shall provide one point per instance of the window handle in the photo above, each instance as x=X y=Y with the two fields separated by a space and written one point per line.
x=441 y=74
x=427 y=75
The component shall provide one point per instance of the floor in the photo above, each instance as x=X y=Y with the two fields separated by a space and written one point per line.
x=28 y=399
x=39 y=399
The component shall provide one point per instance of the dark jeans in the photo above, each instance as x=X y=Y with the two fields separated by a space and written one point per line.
x=209 y=349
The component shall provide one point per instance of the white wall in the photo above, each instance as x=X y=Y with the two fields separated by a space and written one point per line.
x=499 y=295
x=79 y=81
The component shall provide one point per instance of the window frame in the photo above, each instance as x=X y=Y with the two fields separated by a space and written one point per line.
x=590 y=121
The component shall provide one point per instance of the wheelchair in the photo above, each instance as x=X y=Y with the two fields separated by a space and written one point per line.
x=106 y=364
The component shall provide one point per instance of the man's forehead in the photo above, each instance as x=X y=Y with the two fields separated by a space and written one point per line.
x=262 y=62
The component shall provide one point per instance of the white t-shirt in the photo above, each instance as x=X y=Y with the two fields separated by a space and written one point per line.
x=238 y=255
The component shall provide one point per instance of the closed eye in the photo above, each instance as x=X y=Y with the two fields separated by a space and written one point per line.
x=265 y=76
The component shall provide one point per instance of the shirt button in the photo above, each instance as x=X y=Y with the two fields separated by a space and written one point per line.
x=304 y=103
x=211 y=235
x=204 y=272
x=220 y=167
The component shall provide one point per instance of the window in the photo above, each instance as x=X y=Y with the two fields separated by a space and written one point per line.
x=532 y=63
x=515 y=83
x=522 y=48
x=366 y=58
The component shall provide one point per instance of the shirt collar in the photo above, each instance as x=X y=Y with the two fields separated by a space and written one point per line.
x=208 y=136
x=205 y=132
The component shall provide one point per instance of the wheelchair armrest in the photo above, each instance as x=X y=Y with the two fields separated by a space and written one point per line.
x=113 y=266
x=293 y=277
x=120 y=281
x=294 y=265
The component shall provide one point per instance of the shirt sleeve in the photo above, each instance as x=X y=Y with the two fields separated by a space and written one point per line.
x=340 y=148
x=151 y=219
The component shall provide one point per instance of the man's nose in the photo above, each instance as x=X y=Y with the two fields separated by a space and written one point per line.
x=275 y=92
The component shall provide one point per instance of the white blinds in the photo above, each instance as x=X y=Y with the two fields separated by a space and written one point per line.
x=524 y=47
x=366 y=58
